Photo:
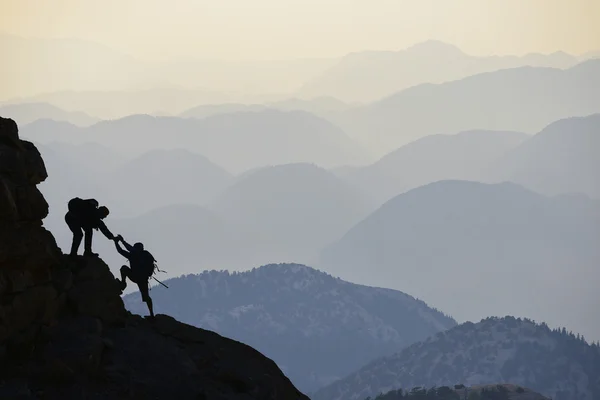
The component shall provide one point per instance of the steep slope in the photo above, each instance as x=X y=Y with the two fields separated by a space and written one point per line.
x=315 y=327
x=563 y=158
x=552 y=362
x=390 y=71
x=299 y=207
x=521 y=99
x=235 y=141
x=165 y=177
x=64 y=332
x=437 y=157
x=450 y=242
x=26 y=113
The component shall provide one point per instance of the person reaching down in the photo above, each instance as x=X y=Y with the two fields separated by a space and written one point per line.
x=83 y=217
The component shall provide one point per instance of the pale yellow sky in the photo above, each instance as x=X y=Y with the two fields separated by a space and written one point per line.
x=262 y=29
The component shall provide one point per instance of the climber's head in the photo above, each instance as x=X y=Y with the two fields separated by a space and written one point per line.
x=138 y=247
x=103 y=212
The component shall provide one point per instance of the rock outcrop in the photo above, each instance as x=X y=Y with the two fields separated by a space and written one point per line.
x=64 y=332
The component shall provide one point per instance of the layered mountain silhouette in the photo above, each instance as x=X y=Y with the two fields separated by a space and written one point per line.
x=563 y=158
x=299 y=207
x=389 y=71
x=207 y=110
x=452 y=242
x=321 y=106
x=64 y=331
x=29 y=112
x=236 y=142
x=81 y=65
x=317 y=328
x=164 y=177
x=114 y=104
x=522 y=99
x=465 y=156
x=555 y=363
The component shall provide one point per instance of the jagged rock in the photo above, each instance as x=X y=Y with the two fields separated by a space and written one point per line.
x=95 y=292
x=64 y=331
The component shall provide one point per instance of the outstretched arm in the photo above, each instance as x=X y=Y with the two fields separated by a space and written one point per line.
x=127 y=245
x=122 y=252
x=105 y=231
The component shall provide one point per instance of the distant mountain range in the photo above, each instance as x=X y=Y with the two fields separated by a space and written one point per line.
x=74 y=65
x=563 y=158
x=161 y=178
x=372 y=75
x=451 y=242
x=522 y=99
x=552 y=362
x=321 y=106
x=465 y=155
x=236 y=142
x=131 y=186
x=317 y=328
x=298 y=208
x=26 y=113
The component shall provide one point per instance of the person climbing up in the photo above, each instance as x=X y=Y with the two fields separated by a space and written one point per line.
x=142 y=268
x=83 y=217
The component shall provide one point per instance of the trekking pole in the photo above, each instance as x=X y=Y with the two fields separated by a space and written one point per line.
x=160 y=282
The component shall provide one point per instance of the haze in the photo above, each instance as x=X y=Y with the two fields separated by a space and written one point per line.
x=332 y=182
x=276 y=29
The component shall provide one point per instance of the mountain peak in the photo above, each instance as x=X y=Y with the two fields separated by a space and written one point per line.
x=435 y=46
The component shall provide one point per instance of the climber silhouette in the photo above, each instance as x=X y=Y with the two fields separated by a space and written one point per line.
x=142 y=268
x=85 y=215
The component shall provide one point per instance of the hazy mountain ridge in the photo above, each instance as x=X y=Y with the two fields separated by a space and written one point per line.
x=522 y=99
x=83 y=65
x=236 y=142
x=553 y=362
x=464 y=155
x=29 y=112
x=321 y=106
x=161 y=178
x=390 y=71
x=299 y=208
x=562 y=158
x=446 y=242
x=304 y=319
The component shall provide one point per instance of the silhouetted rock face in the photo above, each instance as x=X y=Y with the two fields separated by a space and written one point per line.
x=64 y=332
x=28 y=253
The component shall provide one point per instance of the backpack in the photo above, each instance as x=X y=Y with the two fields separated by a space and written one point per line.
x=147 y=264
x=82 y=207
